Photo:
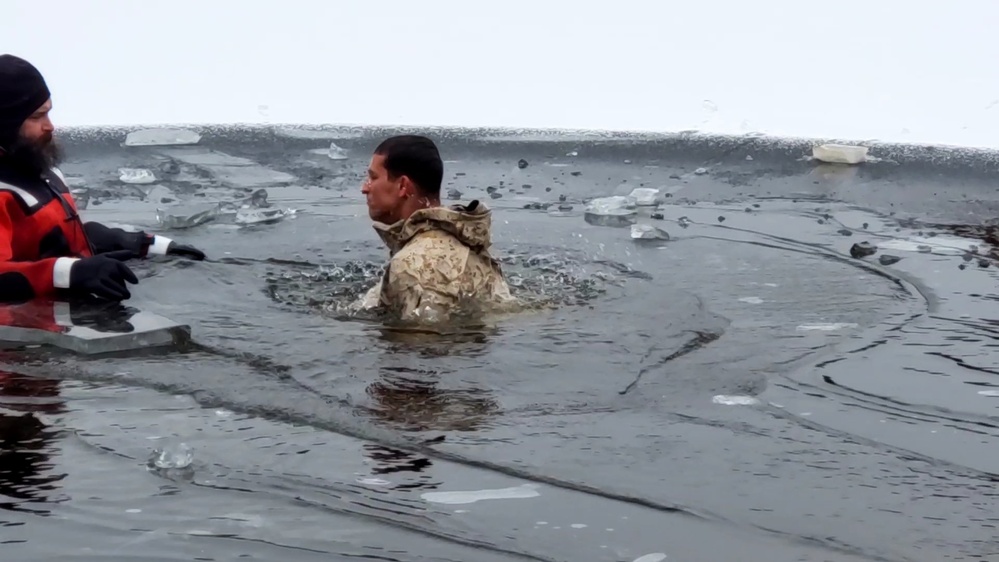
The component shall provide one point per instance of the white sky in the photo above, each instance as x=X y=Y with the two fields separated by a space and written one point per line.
x=893 y=70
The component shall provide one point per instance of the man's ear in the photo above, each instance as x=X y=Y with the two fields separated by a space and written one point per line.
x=406 y=187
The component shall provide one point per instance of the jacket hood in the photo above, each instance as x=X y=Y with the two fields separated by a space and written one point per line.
x=470 y=224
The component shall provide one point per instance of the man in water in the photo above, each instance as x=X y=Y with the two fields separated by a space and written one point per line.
x=439 y=259
x=46 y=250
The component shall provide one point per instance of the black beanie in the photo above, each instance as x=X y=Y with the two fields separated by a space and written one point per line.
x=22 y=92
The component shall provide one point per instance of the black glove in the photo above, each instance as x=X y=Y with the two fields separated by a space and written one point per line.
x=185 y=251
x=105 y=239
x=103 y=316
x=103 y=275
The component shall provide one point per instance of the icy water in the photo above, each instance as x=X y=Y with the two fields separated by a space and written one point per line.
x=746 y=390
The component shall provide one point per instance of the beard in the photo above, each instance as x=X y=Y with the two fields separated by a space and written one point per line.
x=35 y=156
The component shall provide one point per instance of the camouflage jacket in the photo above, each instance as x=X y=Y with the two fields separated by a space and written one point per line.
x=439 y=263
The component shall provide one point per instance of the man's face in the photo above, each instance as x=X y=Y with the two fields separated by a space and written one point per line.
x=386 y=196
x=37 y=128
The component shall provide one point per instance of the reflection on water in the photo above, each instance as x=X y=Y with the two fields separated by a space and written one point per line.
x=27 y=473
x=411 y=400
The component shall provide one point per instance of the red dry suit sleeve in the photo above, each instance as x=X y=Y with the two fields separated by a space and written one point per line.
x=23 y=280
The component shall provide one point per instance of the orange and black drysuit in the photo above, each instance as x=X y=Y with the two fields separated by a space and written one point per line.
x=42 y=236
x=45 y=249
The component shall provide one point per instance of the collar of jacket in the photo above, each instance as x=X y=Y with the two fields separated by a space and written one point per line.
x=470 y=224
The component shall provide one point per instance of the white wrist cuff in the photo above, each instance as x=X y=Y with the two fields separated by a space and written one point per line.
x=60 y=272
x=159 y=246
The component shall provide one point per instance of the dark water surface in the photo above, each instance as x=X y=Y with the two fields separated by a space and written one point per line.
x=747 y=390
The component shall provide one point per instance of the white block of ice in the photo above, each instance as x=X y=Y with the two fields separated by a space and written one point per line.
x=840 y=153
x=136 y=175
x=645 y=196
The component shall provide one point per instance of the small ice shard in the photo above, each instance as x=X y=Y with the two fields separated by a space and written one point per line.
x=187 y=216
x=839 y=153
x=261 y=216
x=654 y=557
x=337 y=153
x=989 y=392
x=453 y=194
x=136 y=175
x=578 y=525
x=645 y=196
x=617 y=211
x=701 y=171
x=751 y=300
x=453 y=498
x=173 y=456
x=648 y=232
x=162 y=137
x=726 y=400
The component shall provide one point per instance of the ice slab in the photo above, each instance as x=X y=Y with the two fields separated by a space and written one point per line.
x=617 y=211
x=840 y=153
x=88 y=328
x=231 y=170
x=162 y=137
x=187 y=216
x=262 y=216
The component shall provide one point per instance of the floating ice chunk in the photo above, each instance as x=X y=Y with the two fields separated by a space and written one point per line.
x=173 y=456
x=162 y=137
x=187 y=216
x=989 y=392
x=645 y=196
x=337 y=153
x=648 y=232
x=840 y=153
x=725 y=400
x=751 y=300
x=517 y=492
x=828 y=327
x=136 y=175
x=616 y=211
x=262 y=216
x=654 y=557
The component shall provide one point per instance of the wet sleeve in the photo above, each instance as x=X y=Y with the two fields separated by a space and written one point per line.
x=24 y=280
x=416 y=300
x=106 y=239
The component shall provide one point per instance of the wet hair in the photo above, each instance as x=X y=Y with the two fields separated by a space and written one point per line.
x=417 y=157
